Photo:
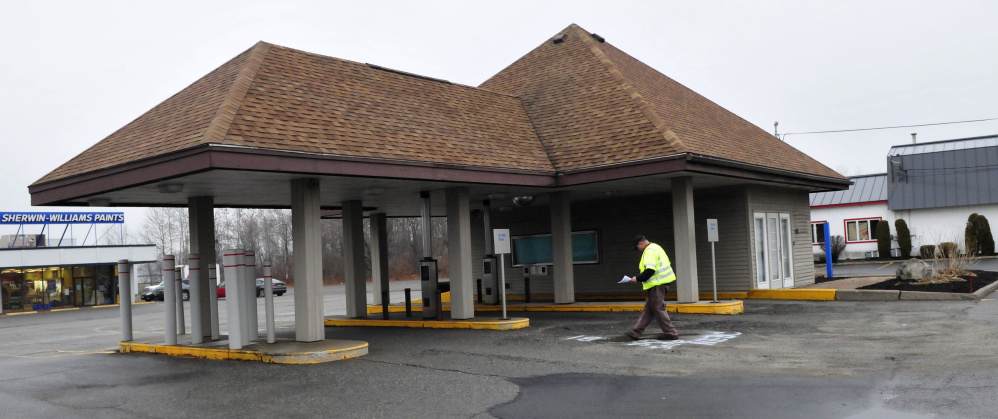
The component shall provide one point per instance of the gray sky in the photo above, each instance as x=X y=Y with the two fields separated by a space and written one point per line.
x=75 y=71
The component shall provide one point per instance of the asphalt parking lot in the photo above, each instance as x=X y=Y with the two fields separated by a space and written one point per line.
x=788 y=359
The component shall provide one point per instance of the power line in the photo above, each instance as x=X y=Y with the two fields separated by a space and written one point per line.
x=784 y=136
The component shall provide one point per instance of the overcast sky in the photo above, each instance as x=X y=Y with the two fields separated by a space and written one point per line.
x=73 y=72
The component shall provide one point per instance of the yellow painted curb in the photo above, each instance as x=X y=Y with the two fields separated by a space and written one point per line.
x=499 y=324
x=296 y=358
x=794 y=294
x=720 y=307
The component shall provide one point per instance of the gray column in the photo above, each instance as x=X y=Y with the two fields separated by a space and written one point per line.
x=307 y=235
x=379 y=255
x=355 y=268
x=684 y=262
x=561 y=248
x=462 y=287
x=201 y=211
x=125 y=308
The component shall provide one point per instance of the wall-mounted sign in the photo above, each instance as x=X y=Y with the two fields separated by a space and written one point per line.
x=62 y=217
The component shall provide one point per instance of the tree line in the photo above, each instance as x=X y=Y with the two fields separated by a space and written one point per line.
x=268 y=233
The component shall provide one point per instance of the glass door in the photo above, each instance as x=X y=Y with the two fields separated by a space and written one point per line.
x=773 y=250
x=761 y=251
x=786 y=251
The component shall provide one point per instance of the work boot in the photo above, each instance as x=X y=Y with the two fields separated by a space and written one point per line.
x=633 y=335
x=668 y=337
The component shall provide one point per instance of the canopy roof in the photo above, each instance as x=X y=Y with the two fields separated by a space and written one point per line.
x=575 y=105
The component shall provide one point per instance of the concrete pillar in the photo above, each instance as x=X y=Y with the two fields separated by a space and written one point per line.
x=684 y=262
x=355 y=268
x=379 y=255
x=201 y=211
x=232 y=265
x=462 y=286
x=561 y=248
x=169 y=295
x=307 y=235
x=125 y=308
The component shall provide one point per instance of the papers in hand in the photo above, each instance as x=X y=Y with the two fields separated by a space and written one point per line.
x=626 y=279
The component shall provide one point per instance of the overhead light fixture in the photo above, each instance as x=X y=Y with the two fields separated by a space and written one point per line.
x=99 y=202
x=523 y=201
x=170 y=187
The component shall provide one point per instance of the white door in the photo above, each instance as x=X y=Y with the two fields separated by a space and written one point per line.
x=761 y=252
x=786 y=251
x=774 y=251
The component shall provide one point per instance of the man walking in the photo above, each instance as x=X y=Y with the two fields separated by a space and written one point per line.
x=656 y=274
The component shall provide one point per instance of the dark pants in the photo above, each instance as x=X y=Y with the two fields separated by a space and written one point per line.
x=655 y=308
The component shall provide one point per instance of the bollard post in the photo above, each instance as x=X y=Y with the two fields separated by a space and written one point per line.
x=194 y=277
x=479 y=290
x=384 y=304
x=232 y=262
x=408 y=302
x=249 y=291
x=213 y=299
x=526 y=289
x=181 y=323
x=440 y=309
x=125 y=309
x=169 y=306
x=268 y=295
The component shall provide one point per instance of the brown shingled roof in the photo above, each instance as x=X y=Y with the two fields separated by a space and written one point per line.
x=593 y=104
x=578 y=104
x=279 y=98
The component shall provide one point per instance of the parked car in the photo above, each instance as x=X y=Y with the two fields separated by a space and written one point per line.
x=279 y=288
x=155 y=292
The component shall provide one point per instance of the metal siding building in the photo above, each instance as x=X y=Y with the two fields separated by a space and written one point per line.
x=943 y=174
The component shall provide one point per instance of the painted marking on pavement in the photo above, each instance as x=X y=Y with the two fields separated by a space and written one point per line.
x=584 y=338
x=708 y=339
x=888 y=264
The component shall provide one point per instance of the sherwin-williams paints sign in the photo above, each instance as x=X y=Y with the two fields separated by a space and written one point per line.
x=62 y=217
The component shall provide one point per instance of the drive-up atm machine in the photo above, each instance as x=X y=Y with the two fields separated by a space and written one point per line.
x=428 y=266
x=490 y=267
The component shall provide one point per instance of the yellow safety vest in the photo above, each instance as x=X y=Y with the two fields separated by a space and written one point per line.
x=655 y=258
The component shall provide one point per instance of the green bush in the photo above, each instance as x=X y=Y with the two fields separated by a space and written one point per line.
x=884 y=239
x=977 y=236
x=927 y=251
x=904 y=238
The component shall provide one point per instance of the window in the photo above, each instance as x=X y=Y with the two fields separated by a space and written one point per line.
x=861 y=230
x=818 y=232
x=536 y=250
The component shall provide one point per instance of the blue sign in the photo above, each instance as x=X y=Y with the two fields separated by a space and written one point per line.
x=62 y=217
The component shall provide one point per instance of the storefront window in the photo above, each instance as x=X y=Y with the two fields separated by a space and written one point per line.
x=13 y=289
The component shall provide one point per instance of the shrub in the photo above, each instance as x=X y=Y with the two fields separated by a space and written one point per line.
x=838 y=245
x=884 y=239
x=904 y=238
x=927 y=251
x=977 y=236
x=947 y=250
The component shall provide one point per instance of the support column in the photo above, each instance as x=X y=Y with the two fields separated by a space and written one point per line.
x=462 y=287
x=684 y=262
x=355 y=268
x=201 y=211
x=561 y=248
x=379 y=255
x=307 y=235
